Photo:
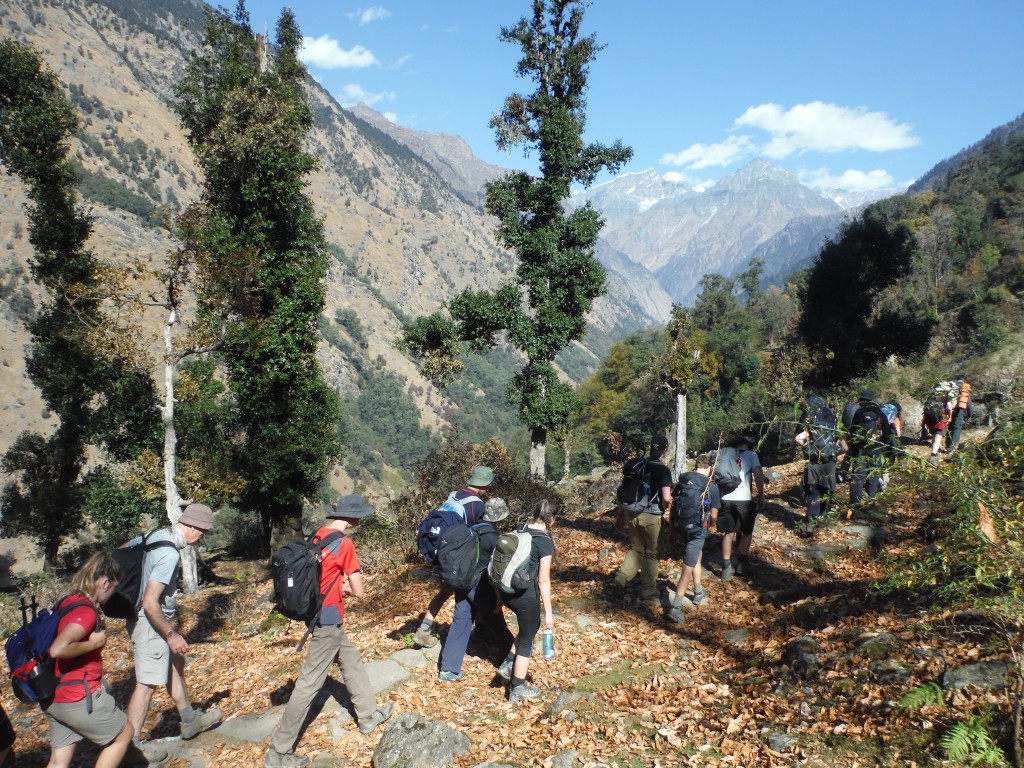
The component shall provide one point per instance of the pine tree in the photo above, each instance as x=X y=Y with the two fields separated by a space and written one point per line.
x=557 y=276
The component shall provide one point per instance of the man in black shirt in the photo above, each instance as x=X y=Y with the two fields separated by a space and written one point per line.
x=644 y=528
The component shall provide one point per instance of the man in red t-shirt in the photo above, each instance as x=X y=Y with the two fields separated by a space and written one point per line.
x=340 y=576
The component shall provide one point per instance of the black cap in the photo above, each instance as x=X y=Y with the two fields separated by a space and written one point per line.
x=658 y=444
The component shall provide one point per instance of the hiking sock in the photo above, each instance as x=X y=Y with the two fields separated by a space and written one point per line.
x=516 y=682
x=188 y=715
x=426 y=625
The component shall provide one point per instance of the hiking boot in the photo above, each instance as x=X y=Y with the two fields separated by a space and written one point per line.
x=383 y=713
x=727 y=571
x=700 y=596
x=204 y=721
x=275 y=759
x=147 y=753
x=424 y=638
x=523 y=692
x=743 y=567
x=450 y=677
x=653 y=605
x=675 y=615
x=505 y=670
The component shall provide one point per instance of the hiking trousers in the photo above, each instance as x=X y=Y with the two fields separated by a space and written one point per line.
x=867 y=475
x=326 y=644
x=819 y=486
x=642 y=557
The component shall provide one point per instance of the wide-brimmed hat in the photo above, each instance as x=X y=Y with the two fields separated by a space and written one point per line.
x=197 y=516
x=867 y=395
x=6 y=582
x=350 y=507
x=495 y=510
x=481 y=477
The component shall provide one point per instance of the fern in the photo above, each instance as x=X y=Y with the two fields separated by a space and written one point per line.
x=923 y=696
x=972 y=740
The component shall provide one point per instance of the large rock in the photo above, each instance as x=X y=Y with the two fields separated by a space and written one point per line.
x=984 y=674
x=801 y=656
x=412 y=742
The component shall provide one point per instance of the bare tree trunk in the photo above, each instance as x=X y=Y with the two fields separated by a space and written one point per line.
x=538 y=453
x=173 y=503
x=566 y=455
x=681 y=465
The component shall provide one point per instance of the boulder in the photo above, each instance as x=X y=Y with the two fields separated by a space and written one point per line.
x=410 y=741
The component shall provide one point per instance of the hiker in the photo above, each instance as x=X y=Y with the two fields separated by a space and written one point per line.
x=819 y=440
x=159 y=649
x=480 y=602
x=82 y=707
x=962 y=411
x=870 y=434
x=739 y=511
x=936 y=417
x=339 y=576
x=527 y=604
x=644 y=527
x=7 y=739
x=695 y=505
x=471 y=499
x=843 y=470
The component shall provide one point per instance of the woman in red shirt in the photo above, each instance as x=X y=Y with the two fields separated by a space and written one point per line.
x=81 y=707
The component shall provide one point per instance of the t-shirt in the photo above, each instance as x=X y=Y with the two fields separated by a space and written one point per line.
x=88 y=666
x=748 y=463
x=661 y=477
x=338 y=560
x=541 y=546
x=161 y=564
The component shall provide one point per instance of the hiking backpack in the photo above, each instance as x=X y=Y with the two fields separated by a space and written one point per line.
x=124 y=603
x=432 y=528
x=295 y=571
x=462 y=555
x=634 y=492
x=458 y=506
x=728 y=472
x=33 y=676
x=867 y=424
x=509 y=569
x=934 y=410
x=820 y=447
x=691 y=505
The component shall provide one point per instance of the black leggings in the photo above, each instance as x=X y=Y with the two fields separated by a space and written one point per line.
x=526 y=607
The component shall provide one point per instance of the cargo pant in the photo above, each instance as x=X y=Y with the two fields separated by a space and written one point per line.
x=642 y=557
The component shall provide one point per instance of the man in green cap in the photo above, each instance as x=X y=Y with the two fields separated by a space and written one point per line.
x=468 y=503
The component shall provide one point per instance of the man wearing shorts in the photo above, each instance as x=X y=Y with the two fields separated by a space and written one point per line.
x=696 y=504
x=739 y=511
x=158 y=647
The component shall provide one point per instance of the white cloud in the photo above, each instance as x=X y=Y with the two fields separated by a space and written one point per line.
x=327 y=54
x=391 y=117
x=706 y=155
x=353 y=93
x=369 y=15
x=851 y=180
x=401 y=61
x=821 y=127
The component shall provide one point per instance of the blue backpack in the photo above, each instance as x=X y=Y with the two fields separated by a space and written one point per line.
x=28 y=651
x=433 y=527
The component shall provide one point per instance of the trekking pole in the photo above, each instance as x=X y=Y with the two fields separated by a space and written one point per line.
x=34 y=606
x=24 y=611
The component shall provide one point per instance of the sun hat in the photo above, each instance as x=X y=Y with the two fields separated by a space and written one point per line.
x=495 y=510
x=481 y=477
x=350 y=507
x=197 y=516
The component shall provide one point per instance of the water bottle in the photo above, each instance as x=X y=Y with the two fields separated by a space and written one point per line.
x=549 y=644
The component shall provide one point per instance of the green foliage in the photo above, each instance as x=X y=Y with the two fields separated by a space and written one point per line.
x=261 y=257
x=114 y=194
x=925 y=695
x=972 y=741
x=482 y=410
x=557 y=276
x=114 y=507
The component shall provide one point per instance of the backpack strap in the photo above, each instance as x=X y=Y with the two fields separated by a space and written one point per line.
x=322 y=544
x=61 y=613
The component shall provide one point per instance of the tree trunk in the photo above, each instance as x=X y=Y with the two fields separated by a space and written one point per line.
x=566 y=457
x=538 y=453
x=681 y=465
x=173 y=503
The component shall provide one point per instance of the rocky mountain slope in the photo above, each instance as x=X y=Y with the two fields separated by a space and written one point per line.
x=407 y=230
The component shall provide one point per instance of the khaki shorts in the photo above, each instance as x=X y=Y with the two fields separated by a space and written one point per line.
x=70 y=723
x=152 y=654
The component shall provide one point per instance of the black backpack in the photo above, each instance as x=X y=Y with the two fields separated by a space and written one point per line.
x=295 y=571
x=634 y=492
x=124 y=603
x=691 y=505
x=935 y=410
x=820 y=447
x=728 y=472
x=867 y=424
x=463 y=554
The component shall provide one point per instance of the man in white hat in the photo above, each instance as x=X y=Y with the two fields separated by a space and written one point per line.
x=159 y=648
x=339 y=576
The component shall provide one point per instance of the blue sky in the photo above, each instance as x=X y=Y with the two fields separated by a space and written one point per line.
x=845 y=95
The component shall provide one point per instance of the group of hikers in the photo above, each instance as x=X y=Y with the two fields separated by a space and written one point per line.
x=726 y=489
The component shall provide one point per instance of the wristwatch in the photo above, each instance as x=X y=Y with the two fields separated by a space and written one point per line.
x=170 y=633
